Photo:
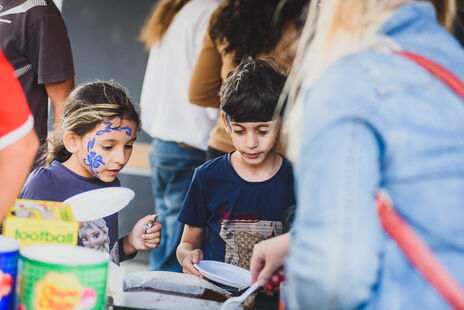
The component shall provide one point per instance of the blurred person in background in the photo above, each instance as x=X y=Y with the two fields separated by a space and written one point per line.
x=379 y=104
x=173 y=35
x=18 y=141
x=35 y=41
x=459 y=22
x=239 y=29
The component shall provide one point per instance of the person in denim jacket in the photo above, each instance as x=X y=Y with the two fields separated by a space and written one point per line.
x=367 y=119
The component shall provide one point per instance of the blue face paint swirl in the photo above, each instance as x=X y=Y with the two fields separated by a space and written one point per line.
x=108 y=128
x=93 y=161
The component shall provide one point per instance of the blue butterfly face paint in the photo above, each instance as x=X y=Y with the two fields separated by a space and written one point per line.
x=108 y=149
x=93 y=161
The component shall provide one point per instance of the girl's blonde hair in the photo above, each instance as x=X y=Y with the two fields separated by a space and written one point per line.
x=333 y=29
x=159 y=21
x=86 y=107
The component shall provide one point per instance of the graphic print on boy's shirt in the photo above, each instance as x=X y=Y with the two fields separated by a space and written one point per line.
x=241 y=230
x=240 y=236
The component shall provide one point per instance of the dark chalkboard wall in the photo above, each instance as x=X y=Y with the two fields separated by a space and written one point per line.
x=103 y=36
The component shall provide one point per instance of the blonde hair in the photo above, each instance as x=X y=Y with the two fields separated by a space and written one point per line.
x=333 y=29
x=159 y=21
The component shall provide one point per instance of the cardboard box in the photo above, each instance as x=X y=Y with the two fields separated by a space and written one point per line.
x=38 y=222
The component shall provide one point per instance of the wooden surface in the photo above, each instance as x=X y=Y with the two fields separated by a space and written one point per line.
x=139 y=157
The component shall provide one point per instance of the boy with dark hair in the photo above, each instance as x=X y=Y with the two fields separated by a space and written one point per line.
x=240 y=198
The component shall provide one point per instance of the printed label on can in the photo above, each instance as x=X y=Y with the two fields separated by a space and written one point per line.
x=62 y=292
x=6 y=284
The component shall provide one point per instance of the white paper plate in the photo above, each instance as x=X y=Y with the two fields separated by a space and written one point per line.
x=224 y=273
x=98 y=203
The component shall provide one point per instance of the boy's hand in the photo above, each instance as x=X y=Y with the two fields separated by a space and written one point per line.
x=192 y=258
x=141 y=238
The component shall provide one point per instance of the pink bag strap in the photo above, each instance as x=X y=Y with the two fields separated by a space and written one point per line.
x=438 y=71
x=418 y=253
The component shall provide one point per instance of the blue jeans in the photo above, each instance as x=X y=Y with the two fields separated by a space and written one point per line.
x=172 y=168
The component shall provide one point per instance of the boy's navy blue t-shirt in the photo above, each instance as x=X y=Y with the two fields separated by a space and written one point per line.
x=237 y=213
x=58 y=183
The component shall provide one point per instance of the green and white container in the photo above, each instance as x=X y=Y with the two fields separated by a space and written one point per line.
x=62 y=277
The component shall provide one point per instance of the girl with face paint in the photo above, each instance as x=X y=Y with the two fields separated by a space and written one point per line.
x=100 y=125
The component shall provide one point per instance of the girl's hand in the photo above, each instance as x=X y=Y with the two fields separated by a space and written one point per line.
x=192 y=258
x=141 y=238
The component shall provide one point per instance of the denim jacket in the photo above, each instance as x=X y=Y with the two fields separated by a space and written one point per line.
x=377 y=120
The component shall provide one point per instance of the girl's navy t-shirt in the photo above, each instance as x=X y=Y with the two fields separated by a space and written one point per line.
x=236 y=213
x=58 y=183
